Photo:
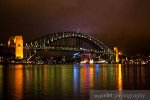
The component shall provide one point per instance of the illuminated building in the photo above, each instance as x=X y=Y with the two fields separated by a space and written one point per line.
x=116 y=54
x=16 y=43
x=19 y=47
x=11 y=42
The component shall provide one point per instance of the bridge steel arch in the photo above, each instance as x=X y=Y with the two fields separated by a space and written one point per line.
x=54 y=42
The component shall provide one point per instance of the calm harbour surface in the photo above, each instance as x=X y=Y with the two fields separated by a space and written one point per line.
x=69 y=82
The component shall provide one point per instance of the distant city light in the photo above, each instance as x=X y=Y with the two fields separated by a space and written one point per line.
x=76 y=54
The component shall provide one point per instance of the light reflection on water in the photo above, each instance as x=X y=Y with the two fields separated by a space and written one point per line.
x=71 y=82
x=18 y=82
x=119 y=78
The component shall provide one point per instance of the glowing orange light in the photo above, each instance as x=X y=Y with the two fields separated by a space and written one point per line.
x=91 y=73
x=18 y=82
x=18 y=47
x=17 y=43
x=117 y=54
x=8 y=43
x=120 y=79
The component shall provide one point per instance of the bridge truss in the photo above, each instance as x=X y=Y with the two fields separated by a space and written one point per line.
x=70 y=41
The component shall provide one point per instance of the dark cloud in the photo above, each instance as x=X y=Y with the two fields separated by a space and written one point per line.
x=122 y=23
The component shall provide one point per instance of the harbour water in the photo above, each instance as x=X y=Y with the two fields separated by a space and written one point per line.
x=69 y=82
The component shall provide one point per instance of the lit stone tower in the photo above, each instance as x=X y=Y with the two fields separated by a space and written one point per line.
x=117 y=54
x=11 y=42
x=18 y=47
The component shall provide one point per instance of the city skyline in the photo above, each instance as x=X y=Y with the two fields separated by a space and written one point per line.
x=74 y=49
x=124 y=24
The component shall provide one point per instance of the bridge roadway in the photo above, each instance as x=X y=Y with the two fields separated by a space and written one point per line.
x=67 y=41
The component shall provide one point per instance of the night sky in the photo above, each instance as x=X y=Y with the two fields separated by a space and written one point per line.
x=121 y=23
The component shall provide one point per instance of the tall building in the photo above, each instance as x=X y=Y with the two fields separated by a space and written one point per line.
x=19 y=47
x=16 y=43
x=116 y=54
x=11 y=42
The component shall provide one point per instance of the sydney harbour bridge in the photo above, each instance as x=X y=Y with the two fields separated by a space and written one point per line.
x=67 y=45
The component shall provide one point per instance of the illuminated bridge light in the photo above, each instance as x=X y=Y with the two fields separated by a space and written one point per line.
x=62 y=41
